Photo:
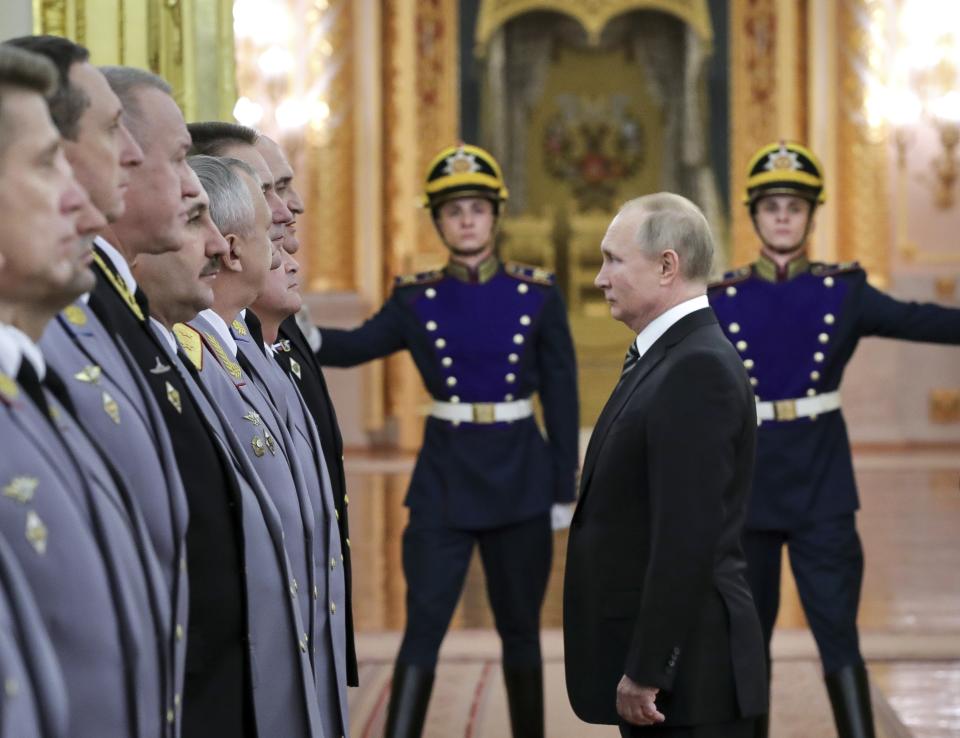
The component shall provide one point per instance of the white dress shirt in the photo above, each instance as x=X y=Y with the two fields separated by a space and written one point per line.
x=663 y=322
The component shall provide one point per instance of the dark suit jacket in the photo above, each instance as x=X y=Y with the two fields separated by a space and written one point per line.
x=655 y=585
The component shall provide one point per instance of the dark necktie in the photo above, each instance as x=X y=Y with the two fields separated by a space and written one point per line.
x=630 y=360
x=29 y=381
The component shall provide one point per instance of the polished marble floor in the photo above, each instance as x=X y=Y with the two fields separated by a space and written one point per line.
x=910 y=612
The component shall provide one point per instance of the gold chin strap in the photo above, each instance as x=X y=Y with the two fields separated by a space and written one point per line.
x=120 y=286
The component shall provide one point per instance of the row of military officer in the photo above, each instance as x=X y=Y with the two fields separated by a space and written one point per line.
x=174 y=553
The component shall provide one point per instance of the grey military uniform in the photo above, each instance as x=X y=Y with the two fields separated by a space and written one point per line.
x=94 y=582
x=283 y=686
x=33 y=696
x=330 y=661
x=270 y=450
x=116 y=407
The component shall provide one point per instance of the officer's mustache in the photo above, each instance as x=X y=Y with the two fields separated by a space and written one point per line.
x=211 y=267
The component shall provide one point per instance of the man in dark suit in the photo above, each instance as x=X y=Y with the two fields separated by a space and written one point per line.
x=660 y=630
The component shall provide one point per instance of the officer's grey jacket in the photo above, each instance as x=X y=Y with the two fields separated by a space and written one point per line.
x=87 y=556
x=34 y=700
x=269 y=449
x=329 y=645
x=284 y=692
x=113 y=403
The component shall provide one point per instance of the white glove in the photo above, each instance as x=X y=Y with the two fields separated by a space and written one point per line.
x=561 y=514
x=310 y=331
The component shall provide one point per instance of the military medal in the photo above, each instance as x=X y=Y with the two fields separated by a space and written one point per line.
x=36 y=532
x=89 y=374
x=271 y=444
x=295 y=368
x=252 y=417
x=111 y=408
x=173 y=397
x=258 y=447
x=21 y=489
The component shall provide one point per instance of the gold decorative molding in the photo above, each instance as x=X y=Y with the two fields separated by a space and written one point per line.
x=593 y=15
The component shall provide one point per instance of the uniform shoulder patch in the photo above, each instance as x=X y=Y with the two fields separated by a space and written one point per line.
x=732 y=277
x=409 y=280
x=528 y=273
x=821 y=269
x=189 y=339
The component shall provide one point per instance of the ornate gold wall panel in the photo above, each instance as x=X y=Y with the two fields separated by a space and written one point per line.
x=863 y=229
x=593 y=15
x=188 y=42
x=768 y=82
x=420 y=116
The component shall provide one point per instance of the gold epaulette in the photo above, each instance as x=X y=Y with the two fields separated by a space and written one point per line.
x=189 y=339
x=408 y=280
x=819 y=269
x=527 y=273
x=732 y=277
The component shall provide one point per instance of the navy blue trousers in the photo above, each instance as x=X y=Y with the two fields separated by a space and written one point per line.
x=516 y=562
x=827 y=563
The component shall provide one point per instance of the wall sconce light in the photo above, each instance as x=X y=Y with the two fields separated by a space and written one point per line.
x=946 y=118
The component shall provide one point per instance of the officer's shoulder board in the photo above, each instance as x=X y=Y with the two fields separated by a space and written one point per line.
x=189 y=339
x=417 y=278
x=527 y=273
x=732 y=277
x=821 y=269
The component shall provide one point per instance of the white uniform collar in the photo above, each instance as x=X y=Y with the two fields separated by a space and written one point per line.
x=222 y=330
x=663 y=322
x=17 y=348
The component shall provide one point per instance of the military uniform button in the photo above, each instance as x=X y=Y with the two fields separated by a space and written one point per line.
x=431 y=325
x=178 y=632
x=829 y=319
x=823 y=338
x=454 y=399
x=11 y=687
x=440 y=343
x=815 y=375
x=431 y=293
x=811 y=392
x=294 y=587
x=176 y=700
x=748 y=363
x=333 y=563
x=741 y=345
x=333 y=608
x=513 y=358
x=346 y=499
x=734 y=328
x=508 y=397
x=522 y=288
x=446 y=361
x=518 y=339
x=525 y=320
x=170 y=715
x=511 y=378
x=754 y=381
x=303 y=646
x=451 y=381
x=828 y=281
x=316 y=592
x=337 y=514
x=348 y=542
x=818 y=357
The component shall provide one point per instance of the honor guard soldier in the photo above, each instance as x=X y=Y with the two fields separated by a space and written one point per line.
x=485 y=336
x=796 y=324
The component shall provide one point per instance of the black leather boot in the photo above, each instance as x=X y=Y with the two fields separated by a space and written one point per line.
x=525 y=698
x=849 y=692
x=409 y=697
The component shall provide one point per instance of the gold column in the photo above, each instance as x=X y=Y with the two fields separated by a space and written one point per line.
x=768 y=75
x=862 y=225
x=420 y=115
x=187 y=42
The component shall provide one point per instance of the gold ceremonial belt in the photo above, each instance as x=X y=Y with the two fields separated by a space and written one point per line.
x=483 y=413
x=801 y=407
